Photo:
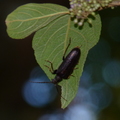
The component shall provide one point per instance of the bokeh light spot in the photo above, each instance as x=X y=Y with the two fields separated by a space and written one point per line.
x=101 y=95
x=80 y=112
x=38 y=94
x=111 y=73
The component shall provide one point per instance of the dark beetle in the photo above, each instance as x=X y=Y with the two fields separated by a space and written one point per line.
x=67 y=66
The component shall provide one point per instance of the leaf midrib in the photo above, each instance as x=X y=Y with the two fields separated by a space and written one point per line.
x=36 y=18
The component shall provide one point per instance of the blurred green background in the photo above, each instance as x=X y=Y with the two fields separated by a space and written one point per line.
x=98 y=96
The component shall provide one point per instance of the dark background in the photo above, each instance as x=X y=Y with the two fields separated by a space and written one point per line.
x=17 y=61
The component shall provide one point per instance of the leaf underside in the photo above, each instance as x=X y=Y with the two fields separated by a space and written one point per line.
x=54 y=29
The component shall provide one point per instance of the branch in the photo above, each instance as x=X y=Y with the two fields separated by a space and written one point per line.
x=112 y=4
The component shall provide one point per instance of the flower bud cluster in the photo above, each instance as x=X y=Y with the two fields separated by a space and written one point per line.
x=81 y=9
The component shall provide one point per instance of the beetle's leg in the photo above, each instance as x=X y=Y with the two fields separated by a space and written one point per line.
x=70 y=75
x=51 y=68
x=54 y=72
x=75 y=68
x=66 y=48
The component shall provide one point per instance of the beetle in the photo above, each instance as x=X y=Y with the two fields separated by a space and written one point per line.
x=67 y=66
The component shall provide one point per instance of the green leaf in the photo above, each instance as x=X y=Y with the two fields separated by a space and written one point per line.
x=50 y=42
x=28 y=18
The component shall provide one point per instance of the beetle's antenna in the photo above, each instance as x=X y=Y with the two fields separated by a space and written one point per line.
x=66 y=48
x=40 y=82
